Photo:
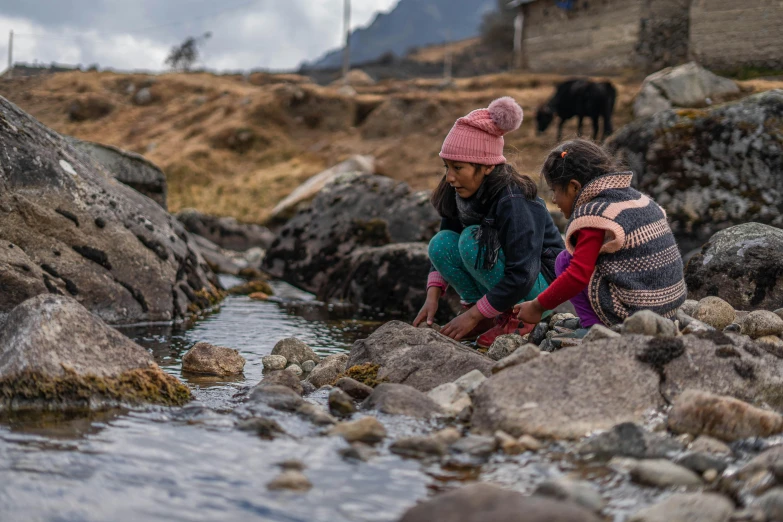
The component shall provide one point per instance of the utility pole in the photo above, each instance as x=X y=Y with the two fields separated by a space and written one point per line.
x=11 y=53
x=347 y=49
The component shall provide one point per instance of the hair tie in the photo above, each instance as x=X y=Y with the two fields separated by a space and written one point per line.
x=563 y=154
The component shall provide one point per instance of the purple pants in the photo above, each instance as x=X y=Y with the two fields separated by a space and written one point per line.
x=581 y=301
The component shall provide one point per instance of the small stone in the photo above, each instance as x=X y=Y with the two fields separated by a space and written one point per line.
x=556 y=318
x=710 y=475
x=773 y=340
x=282 y=378
x=689 y=307
x=779 y=312
x=400 y=399
x=523 y=354
x=295 y=369
x=259 y=296
x=760 y=323
x=508 y=444
x=354 y=388
x=771 y=503
x=470 y=381
x=463 y=402
x=447 y=436
x=418 y=447
x=207 y=359
x=274 y=362
x=307 y=388
x=308 y=366
x=504 y=346
x=662 y=474
x=576 y=491
x=368 y=430
x=358 y=451
x=277 y=397
x=475 y=446
x=695 y=326
x=690 y=507
x=705 y=444
x=264 y=428
x=295 y=351
x=725 y=418
x=732 y=328
x=291 y=480
x=628 y=440
x=646 y=322
x=340 y=404
x=748 y=515
x=445 y=394
x=701 y=462
x=530 y=443
x=315 y=414
x=598 y=332
x=292 y=464
x=538 y=334
x=715 y=312
x=328 y=370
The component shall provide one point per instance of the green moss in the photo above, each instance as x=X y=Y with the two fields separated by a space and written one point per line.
x=251 y=287
x=365 y=373
x=71 y=390
x=691 y=114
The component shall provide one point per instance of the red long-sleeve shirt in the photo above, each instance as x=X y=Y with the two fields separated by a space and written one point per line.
x=577 y=276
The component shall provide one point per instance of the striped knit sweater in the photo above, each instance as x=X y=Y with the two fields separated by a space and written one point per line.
x=639 y=267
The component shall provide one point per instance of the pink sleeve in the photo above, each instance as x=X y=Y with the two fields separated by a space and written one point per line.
x=435 y=279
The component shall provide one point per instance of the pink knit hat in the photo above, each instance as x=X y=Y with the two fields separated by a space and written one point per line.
x=478 y=137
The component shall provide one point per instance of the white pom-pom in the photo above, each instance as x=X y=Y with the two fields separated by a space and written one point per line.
x=506 y=113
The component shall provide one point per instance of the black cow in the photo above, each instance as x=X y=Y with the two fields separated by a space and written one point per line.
x=579 y=98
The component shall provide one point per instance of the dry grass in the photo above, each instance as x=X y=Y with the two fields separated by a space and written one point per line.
x=235 y=146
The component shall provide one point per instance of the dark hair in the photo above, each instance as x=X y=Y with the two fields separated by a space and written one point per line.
x=444 y=197
x=578 y=159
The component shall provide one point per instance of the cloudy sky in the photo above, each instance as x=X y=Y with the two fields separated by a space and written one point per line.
x=138 y=34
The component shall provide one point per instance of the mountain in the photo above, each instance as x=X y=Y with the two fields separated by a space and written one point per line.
x=412 y=23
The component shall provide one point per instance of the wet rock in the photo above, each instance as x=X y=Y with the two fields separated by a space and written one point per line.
x=358 y=451
x=504 y=346
x=225 y=232
x=646 y=322
x=308 y=366
x=368 y=430
x=126 y=167
x=354 y=388
x=315 y=414
x=530 y=443
x=417 y=357
x=574 y=491
x=772 y=340
x=598 y=332
x=447 y=436
x=274 y=362
x=470 y=381
x=116 y=251
x=691 y=507
x=766 y=460
x=475 y=446
x=688 y=85
x=521 y=355
x=290 y=480
x=556 y=318
x=706 y=444
x=771 y=503
x=629 y=440
x=696 y=149
x=700 y=463
x=340 y=404
x=739 y=264
x=695 y=327
x=715 y=312
x=264 y=428
x=689 y=307
x=252 y=287
x=480 y=502
x=327 y=371
x=538 y=334
x=660 y=473
x=295 y=369
x=449 y=397
x=761 y=323
x=418 y=447
x=554 y=396
x=508 y=444
x=208 y=359
x=307 y=388
x=277 y=397
x=399 y=399
x=295 y=351
x=725 y=418
x=55 y=355
x=282 y=378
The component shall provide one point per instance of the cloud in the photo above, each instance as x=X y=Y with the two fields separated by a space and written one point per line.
x=275 y=34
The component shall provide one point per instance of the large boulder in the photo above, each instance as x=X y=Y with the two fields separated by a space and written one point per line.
x=485 y=502
x=571 y=392
x=304 y=193
x=418 y=357
x=743 y=265
x=68 y=227
x=710 y=169
x=226 y=232
x=351 y=212
x=55 y=355
x=689 y=85
x=126 y=167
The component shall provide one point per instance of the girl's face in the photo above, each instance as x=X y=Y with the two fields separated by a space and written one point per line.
x=464 y=177
x=565 y=196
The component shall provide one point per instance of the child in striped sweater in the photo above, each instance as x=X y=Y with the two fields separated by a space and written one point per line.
x=621 y=256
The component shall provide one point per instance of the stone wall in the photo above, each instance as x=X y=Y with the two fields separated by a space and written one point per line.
x=727 y=35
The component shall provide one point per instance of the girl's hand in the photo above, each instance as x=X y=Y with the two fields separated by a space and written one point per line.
x=461 y=325
x=529 y=312
x=430 y=307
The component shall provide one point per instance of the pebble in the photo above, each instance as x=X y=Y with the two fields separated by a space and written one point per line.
x=696 y=326
x=646 y=322
x=760 y=323
x=358 y=451
x=538 y=334
x=774 y=340
x=700 y=463
x=264 y=428
x=418 y=447
x=315 y=414
x=291 y=480
x=470 y=381
x=307 y=388
x=340 y=404
x=354 y=388
x=705 y=444
x=779 y=312
x=208 y=359
x=274 y=362
x=523 y=354
x=556 y=318
x=659 y=473
x=308 y=366
x=447 y=436
x=576 y=491
x=690 y=507
x=476 y=446
x=689 y=307
x=710 y=475
x=445 y=394
x=508 y=444
x=530 y=443
x=259 y=296
x=598 y=332
x=295 y=369
x=368 y=430
x=504 y=346
x=771 y=503
x=715 y=312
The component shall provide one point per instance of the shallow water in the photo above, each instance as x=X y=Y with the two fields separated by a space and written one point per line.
x=192 y=464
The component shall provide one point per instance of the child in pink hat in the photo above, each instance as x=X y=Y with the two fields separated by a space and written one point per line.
x=497 y=244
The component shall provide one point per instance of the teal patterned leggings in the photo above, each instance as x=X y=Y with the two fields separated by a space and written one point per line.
x=454 y=257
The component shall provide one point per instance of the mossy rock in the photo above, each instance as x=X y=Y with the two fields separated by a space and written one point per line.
x=252 y=287
x=364 y=373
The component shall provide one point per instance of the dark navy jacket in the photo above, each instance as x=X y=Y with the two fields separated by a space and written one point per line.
x=529 y=239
